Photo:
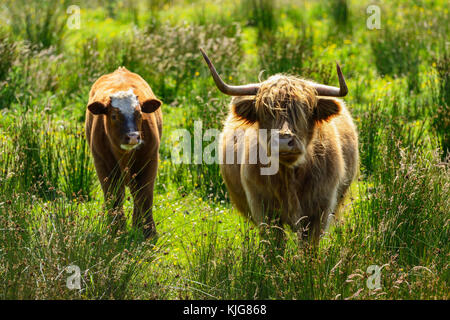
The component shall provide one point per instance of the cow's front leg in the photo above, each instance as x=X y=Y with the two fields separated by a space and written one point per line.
x=317 y=220
x=308 y=230
x=266 y=217
x=330 y=212
x=142 y=212
x=114 y=194
x=112 y=183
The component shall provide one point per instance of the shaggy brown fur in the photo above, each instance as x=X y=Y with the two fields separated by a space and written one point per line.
x=117 y=162
x=312 y=179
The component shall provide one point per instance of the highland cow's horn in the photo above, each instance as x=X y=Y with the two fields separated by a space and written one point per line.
x=244 y=90
x=324 y=90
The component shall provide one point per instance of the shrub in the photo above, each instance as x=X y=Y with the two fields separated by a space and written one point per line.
x=77 y=171
x=396 y=53
x=260 y=14
x=8 y=55
x=86 y=66
x=285 y=54
x=36 y=163
x=409 y=206
x=340 y=13
x=32 y=75
x=176 y=59
x=40 y=240
x=39 y=22
x=441 y=118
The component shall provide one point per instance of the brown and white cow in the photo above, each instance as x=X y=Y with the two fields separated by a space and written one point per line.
x=318 y=151
x=123 y=129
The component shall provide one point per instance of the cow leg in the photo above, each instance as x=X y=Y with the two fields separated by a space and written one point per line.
x=328 y=217
x=317 y=221
x=276 y=237
x=267 y=219
x=312 y=227
x=113 y=188
x=308 y=230
x=141 y=187
x=142 y=212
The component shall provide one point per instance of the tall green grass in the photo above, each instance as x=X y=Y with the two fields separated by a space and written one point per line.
x=399 y=222
x=44 y=158
x=39 y=240
x=280 y=53
x=441 y=118
x=39 y=22
x=261 y=14
x=397 y=53
x=52 y=213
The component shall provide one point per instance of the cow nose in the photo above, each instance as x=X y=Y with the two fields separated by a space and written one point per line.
x=287 y=143
x=133 y=137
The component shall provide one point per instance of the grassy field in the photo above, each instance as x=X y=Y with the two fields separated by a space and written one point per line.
x=51 y=204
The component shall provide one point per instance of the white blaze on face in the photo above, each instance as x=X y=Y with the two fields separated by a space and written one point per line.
x=125 y=101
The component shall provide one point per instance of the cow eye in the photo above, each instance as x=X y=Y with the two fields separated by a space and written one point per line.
x=114 y=116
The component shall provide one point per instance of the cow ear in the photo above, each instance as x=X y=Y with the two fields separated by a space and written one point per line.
x=326 y=108
x=150 y=105
x=97 y=107
x=245 y=108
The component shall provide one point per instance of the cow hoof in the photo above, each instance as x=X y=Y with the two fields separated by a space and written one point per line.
x=150 y=234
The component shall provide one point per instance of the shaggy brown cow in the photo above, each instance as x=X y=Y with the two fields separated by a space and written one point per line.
x=318 y=151
x=123 y=129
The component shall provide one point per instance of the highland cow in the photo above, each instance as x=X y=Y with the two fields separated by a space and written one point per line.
x=317 y=151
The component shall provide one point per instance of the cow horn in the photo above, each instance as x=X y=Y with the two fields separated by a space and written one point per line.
x=244 y=90
x=324 y=90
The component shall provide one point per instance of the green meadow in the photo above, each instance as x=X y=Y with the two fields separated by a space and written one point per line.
x=51 y=205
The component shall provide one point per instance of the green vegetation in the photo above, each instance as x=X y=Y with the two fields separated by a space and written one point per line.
x=51 y=205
